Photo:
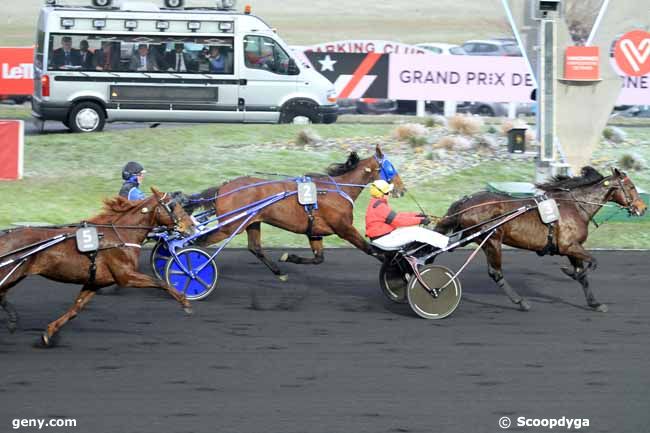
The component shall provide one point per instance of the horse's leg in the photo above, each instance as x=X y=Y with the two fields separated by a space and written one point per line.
x=254 y=232
x=492 y=250
x=316 y=245
x=130 y=278
x=83 y=298
x=12 y=314
x=577 y=258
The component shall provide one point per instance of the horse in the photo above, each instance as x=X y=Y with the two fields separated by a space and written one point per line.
x=579 y=199
x=125 y=226
x=337 y=191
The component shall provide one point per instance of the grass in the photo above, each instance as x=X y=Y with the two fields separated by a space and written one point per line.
x=67 y=175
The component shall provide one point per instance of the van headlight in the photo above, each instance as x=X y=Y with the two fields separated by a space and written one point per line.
x=332 y=96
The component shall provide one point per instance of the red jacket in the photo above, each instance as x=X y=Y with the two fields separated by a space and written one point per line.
x=381 y=219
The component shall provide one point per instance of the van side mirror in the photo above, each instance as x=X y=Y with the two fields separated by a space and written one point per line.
x=292 y=68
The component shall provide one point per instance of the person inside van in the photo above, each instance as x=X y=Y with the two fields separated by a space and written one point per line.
x=65 y=57
x=107 y=58
x=143 y=60
x=178 y=60
x=216 y=61
x=85 y=55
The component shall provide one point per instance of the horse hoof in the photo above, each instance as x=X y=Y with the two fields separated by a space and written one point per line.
x=47 y=340
x=524 y=305
x=188 y=310
x=283 y=277
x=12 y=326
x=284 y=257
x=601 y=308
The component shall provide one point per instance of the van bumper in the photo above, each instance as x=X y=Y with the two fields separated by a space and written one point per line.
x=329 y=113
x=50 y=110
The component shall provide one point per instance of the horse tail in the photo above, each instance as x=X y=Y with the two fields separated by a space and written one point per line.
x=451 y=221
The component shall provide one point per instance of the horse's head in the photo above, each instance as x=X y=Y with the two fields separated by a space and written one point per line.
x=382 y=168
x=167 y=212
x=625 y=193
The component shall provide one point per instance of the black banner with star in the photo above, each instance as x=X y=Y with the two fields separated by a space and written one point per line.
x=355 y=75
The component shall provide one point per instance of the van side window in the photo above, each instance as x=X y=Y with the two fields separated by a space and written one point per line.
x=138 y=53
x=264 y=53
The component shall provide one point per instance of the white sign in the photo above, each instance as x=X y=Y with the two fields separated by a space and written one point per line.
x=366 y=46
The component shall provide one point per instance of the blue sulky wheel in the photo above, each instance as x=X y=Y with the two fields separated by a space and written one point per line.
x=197 y=278
x=159 y=257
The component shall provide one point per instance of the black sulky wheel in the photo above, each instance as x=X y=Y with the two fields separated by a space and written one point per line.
x=159 y=257
x=393 y=279
x=424 y=303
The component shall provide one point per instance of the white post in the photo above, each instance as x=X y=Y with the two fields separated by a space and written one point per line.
x=450 y=108
x=512 y=110
x=420 y=109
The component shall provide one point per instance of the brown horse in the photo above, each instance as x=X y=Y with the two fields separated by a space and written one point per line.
x=333 y=216
x=579 y=199
x=123 y=226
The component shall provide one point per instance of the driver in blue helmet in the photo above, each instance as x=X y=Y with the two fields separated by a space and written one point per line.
x=133 y=175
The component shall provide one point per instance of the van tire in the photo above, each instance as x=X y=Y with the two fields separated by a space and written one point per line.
x=300 y=108
x=86 y=117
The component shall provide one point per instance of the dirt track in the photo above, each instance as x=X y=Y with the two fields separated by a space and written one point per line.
x=326 y=353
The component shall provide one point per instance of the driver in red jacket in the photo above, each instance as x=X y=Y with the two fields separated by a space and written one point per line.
x=389 y=229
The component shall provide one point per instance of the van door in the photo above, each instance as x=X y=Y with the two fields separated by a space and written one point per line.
x=265 y=72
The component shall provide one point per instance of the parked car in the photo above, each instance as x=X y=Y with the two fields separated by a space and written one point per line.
x=498 y=109
x=492 y=47
x=442 y=48
x=15 y=99
x=367 y=106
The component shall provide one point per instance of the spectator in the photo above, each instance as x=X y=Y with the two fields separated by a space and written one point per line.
x=85 y=55
x=107 y=58
x=143 y=60
x=178 y=60
x=216 y=61
x=65 y=57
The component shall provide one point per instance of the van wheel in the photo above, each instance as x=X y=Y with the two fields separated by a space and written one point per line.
x=294 y=109
x=86 y=117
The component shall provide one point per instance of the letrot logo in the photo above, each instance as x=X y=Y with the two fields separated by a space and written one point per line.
x=633 y=53
x=23 y=71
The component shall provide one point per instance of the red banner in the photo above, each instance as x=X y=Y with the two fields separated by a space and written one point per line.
x=16 y=71
x=582 y=63
x=11 y=149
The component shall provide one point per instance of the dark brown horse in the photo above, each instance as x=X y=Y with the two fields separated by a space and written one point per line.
x=333 y=216
x=123 y=225
x=579 y=199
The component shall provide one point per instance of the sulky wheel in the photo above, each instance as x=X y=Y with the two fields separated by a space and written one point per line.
x=393 y=279
x=197 y=277
x=159 y=257
x=424 y=303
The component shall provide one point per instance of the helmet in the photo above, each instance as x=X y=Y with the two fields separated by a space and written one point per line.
x=380 y=188
x=132 y=169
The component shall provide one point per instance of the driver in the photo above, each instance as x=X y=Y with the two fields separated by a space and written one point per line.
x=133 y=175
x=389 y=229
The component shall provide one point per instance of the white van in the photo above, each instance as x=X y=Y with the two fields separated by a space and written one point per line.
x=135 y=61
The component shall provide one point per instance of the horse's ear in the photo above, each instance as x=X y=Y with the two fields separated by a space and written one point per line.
x=156 y=192
x=616 y=172
x=378 y=151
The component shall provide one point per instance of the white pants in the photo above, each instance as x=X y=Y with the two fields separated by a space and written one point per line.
x=405 y=235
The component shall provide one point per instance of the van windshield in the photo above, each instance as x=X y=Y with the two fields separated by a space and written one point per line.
x=137 y=53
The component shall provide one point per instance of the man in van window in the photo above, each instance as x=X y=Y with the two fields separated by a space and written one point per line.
x=86 y=55
x=107 y=58
x=143 y=60
x=216 y=61
x=65 y=57
x=178 y=60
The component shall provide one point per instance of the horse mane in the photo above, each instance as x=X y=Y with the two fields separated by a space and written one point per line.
x=338 y=169
x=588 y=176
x=116 y=206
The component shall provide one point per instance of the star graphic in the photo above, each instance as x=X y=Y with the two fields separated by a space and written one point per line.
x=327 y=64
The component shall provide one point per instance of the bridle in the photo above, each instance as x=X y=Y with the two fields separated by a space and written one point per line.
x=169 y=208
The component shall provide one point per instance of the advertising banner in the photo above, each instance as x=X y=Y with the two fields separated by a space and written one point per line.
x=16 y=71
x=11 y=149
